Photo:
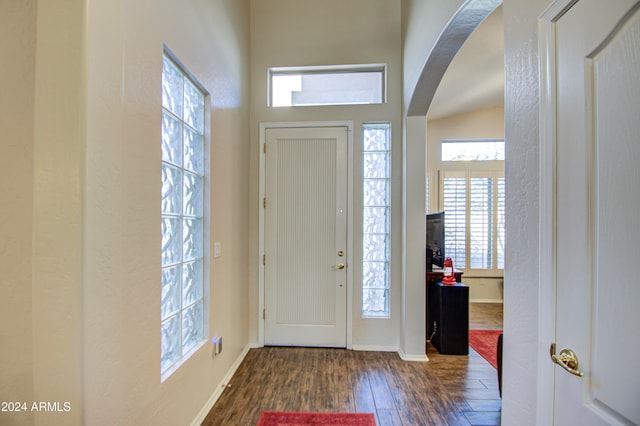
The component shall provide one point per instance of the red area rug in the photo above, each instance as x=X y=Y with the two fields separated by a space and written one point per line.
x=485 y=342
x=284 y=418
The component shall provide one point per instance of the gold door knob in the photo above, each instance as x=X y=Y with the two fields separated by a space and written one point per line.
x=567 y=359
x=340 y=265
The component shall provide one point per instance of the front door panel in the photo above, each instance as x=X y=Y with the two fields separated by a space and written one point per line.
x=597 y=211
x=305 y=237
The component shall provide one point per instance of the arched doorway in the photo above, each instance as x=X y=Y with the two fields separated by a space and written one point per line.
x=434 y=53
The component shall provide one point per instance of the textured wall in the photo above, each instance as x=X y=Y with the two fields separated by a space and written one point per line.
x=522 y=211
x=58 y=211
x=80 y=112
x=122 y=240
x=17 y=41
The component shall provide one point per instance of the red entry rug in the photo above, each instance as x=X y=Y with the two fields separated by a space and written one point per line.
x=485 y=342
x=284 y=418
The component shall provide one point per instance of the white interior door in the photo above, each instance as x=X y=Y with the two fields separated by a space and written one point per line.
x=306 y=236
x=597 y=235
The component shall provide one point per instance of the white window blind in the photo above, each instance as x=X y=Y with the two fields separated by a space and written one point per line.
x=426 y=195
x=454 y=196
x=500 y=224
x=474 y=219
x=480 y=228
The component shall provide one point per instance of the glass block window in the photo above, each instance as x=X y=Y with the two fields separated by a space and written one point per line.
x=182 y=209
x=376 y=223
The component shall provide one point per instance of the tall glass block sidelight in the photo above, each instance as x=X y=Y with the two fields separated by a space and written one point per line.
x=376 y=224
x=182 y=209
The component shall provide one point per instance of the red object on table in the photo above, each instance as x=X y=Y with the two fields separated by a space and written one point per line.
x=449 y=277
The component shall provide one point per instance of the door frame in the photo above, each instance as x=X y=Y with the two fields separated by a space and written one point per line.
x=264 y=126
x=547 y=219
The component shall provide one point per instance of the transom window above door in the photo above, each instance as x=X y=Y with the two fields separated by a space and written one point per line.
x=472 y=150
x=327 y=85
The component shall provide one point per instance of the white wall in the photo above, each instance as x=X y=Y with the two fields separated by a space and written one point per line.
x=83 y=173
x=522 y=89
x=413 y=232
x=330 y=32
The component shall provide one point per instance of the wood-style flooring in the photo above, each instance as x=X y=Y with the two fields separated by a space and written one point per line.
x=447 y=390
x=485 y=316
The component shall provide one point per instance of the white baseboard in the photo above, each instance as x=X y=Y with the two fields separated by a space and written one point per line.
x=413 y=357
x=220 y=388
x=374 y=348
x=403 y=356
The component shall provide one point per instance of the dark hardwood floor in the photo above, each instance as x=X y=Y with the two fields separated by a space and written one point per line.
x=447 y=390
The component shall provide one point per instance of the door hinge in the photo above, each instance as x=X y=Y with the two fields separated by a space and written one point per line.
x=264 y=314
x=264 y=259
x=264 y=202
x=264 y=148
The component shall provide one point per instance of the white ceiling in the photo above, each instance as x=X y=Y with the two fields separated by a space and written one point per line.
x=475 y=78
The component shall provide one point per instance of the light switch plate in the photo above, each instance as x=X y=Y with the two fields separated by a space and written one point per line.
x=217 y=250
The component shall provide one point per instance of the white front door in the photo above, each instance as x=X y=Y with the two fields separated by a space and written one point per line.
x=306 y=236
x=597 y=212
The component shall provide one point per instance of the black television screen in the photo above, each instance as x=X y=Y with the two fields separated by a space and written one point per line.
x=435 y=240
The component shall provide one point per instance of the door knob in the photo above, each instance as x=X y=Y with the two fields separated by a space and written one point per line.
x=567 y=359
x=340 y=265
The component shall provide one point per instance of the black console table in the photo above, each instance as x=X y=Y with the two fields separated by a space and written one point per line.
x=448 y=316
